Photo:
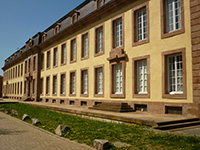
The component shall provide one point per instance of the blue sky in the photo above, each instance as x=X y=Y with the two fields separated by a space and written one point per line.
x=22 y=19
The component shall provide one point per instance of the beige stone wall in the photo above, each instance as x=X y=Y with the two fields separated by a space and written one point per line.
x=154 y=48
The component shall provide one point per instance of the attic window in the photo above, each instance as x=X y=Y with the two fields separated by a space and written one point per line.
x=30 y=43
x=44 y=37
x=99 y=3
x=56 y=29
x=74 y=16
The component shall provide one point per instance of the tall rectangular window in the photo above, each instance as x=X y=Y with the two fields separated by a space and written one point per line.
x=18 y=88
x=173 y=15
x=141 y=25
x=21 y=69
x=85 y=45
x=25 y=87
x=25 y=69
x=18 y=70
x=47 y=85
x=34 y=63
x=84 y=82
x=63 y=54
x=42 y=61
x=117 y=33
x=13 y=73
x=99 y=40
x=55 y=57
x=29 y=65
x=41 y=86
x=142 y=77
x=99 y=81
x=72 y=83
x=73 y=50
x=175 y=74
x=33 y=86
x=172 y=18
x=21 y=88
x=117 y=73
x=48 y=59
x=54 y=85
x=62 y=87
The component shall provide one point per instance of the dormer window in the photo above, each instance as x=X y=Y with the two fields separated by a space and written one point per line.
x=74 y=16
x=56 y=28
x=74 y=19
x=44 y=35
x=30 y=43
x=99 y=3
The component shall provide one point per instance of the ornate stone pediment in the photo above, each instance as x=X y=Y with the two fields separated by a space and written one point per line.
x=117 y=54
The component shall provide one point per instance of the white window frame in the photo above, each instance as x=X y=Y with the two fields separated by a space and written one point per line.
x=99 y=39
x=85 y=81
x=118 y=79
x=63 y=80
x=73 y=51
x=173 y=15
x=118 y=33
x=54 y=84
x=142 y=77
x=99 y=82
x=85 y=45
x=141 y=24
x=73 y=83
x=63 y=48
x=170 y=91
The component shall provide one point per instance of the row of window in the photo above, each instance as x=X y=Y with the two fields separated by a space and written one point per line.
x=14 y=72
x=174 y=78
x=141 y=21
x=14 y=88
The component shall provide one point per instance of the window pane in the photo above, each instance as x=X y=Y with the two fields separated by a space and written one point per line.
x=175 y=74
x=117 y=79
x=99 y=80
x=142 y=77
x=173 y=15
x=118 y=33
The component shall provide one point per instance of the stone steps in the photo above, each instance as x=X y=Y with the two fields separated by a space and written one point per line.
x=114 y=107
x=178 y=124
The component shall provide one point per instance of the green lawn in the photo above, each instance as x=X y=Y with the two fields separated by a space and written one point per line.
x=86 y=130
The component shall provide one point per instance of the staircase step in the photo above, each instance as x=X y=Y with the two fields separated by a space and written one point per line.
x=115 y=107
x=178 y=125
x=177 y=121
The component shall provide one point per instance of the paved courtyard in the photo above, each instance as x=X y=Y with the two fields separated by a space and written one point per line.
x=18 y=135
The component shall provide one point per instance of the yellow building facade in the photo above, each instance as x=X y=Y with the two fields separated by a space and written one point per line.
x=135 y=52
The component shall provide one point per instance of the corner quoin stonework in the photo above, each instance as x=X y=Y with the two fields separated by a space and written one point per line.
x=195 y=33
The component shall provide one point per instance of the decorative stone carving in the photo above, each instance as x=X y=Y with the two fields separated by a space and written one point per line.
x=25 y=117
x=60 y=129
x=101 y=144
